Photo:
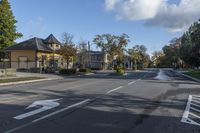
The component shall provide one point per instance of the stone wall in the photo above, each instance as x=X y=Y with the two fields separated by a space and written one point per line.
x=7 y=72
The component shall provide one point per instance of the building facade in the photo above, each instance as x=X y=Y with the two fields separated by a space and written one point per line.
x=92 y=59
x=37 y=53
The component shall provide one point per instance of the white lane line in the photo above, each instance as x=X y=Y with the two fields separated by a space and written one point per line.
x=195 y=105
x=191 y=107
x=49 y=115
x=195 y=109
x=133 y=82
x=61 y=110
x=187 y=110
x=196 y=101
x=114 y=89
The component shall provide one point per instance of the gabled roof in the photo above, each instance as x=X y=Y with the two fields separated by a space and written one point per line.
x=51 y=40
x=31 y=44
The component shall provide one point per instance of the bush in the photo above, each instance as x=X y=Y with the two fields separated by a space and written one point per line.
x=49 y=70
x=22 y=70
x=68 y=71
x=34 y=70
x=86 y=70
x=120 y=71
x=95 y=68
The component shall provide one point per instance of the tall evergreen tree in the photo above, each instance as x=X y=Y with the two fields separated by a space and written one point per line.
x=8 y=33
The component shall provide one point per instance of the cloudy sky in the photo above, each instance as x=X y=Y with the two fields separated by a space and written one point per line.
x=152 y=23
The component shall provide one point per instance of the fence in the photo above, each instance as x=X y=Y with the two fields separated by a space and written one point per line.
x=5 y=64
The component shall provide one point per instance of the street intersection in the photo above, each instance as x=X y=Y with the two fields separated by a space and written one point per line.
x=152 y=101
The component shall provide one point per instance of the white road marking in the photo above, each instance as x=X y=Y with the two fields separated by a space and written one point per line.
x=133 y=82
x=114 y=89
x=49 y=115
x=46 y=105
x=61 y=110
x=186 y=116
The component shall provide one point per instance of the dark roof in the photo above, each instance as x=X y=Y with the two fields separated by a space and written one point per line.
x=35 y=44
x=31 y=44
x=51 y=40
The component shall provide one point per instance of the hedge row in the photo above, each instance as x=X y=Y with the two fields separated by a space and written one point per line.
x=86 y=70
x=68 y=71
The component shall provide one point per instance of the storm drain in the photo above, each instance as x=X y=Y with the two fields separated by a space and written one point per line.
x=192 y=111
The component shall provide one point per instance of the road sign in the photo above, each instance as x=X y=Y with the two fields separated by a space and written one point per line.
x=45 y=105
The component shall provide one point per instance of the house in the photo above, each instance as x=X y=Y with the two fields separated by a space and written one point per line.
x=36 y=53
x=92 y=59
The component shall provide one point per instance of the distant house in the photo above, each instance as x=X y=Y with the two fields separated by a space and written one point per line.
x=93 y=60
x=36 y=53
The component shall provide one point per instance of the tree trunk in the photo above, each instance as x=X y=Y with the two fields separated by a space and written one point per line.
x=67 y=63
x=135 y=64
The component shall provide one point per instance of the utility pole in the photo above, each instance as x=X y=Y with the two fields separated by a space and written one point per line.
x=89 y=58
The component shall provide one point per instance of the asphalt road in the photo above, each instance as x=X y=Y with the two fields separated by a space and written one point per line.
x=150 y=101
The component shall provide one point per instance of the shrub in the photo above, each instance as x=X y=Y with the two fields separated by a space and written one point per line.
x=86 y=70
x=68 y=71
x=95 y=68
x=22 y=70
x=49 y=70
x=34 y=70
x=120 y=71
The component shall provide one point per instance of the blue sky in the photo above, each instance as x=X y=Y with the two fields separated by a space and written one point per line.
x=87 y=18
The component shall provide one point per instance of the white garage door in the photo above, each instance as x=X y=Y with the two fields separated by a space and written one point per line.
x=23 y=62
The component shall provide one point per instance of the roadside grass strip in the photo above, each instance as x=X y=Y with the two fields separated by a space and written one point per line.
x=10 y=80
x=192 y=111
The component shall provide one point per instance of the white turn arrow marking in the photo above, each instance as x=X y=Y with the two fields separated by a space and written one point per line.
x=46 y=105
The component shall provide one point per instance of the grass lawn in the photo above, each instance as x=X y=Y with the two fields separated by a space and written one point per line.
x=19 y=79
x=194 y=73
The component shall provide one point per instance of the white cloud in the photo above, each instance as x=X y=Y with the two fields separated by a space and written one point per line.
x=157 y=12
x=110 y=4
x=37 y=25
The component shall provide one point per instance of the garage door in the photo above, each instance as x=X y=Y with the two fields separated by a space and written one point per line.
x=23 y=62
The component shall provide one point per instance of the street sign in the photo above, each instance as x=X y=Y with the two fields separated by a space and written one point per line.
x=45 y=105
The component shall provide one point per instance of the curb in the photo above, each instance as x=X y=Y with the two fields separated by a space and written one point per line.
x=29 y=81
x=190 y=77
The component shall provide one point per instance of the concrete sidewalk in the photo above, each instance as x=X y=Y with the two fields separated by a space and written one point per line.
x=49 y=76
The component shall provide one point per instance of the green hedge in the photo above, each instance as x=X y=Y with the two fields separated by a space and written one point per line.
x=34 y=70
x=68 y=71
x=194 y=73
x=86 y=70
x=120 y=71
x=96 y=69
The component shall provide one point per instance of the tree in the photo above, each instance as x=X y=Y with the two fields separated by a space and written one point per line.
x=156 y=58
x=190 y=45
x=8 y=33
x=121 y=43
x=112 y=45
x=67 y=39
x=138 y=55
x=185 y=49
x=68 y=52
